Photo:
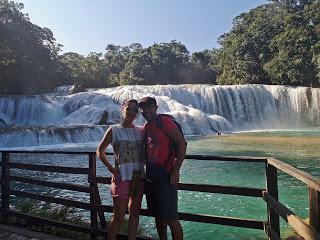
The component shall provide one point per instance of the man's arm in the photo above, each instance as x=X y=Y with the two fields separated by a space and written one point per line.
x=179 y=140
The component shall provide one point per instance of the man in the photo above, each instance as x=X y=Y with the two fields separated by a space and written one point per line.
x=163 y=165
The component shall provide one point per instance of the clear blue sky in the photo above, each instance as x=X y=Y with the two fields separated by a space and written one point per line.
x=85 y=26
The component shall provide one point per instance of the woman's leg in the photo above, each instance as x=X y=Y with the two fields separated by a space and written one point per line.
x=134 y=211
x=119 y=210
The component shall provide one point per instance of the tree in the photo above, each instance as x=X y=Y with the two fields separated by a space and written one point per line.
x=245 y=49
x=292 y=56
x=73 y=69
x=90 y=71
x=116 y=57
x=312 y=16
x=138 y=69
x=167 y=61
x=28 y=53
x=202 y=69
x=274 y=43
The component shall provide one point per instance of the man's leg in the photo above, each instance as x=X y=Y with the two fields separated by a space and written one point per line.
x=152 y=196
x=161 y=228
x=176 y=229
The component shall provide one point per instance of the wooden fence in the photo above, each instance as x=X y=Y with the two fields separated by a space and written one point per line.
x=270 y=194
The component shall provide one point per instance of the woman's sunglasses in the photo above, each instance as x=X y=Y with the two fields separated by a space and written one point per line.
x=132 y=109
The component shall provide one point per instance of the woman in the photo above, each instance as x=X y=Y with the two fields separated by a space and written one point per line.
x=126 y=185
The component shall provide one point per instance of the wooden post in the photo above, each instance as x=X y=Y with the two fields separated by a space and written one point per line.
x=272 y=190
x=93 y=203
x=314 y=209
x=101 y=215
x=5 y=186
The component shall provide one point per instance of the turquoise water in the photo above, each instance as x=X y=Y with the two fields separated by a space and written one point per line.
x=298 y=148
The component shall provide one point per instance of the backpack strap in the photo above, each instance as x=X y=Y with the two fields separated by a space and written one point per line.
x=146 y=147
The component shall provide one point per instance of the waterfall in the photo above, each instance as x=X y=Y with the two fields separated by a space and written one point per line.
x=201 y=109
x=18 y=136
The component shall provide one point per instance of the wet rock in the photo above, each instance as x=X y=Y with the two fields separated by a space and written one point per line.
x=78 y=88
x=2 y=123
x=104 y=118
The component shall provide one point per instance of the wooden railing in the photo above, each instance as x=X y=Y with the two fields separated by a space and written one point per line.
x=274 y=208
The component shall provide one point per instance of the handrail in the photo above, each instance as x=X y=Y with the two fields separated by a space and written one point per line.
x=188 y=156
x=276 y=209
x=304 y=177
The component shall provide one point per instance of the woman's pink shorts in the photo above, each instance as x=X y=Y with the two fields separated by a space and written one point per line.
x=120 y=188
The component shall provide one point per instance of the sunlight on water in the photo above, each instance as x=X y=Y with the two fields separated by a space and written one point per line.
x=298 y=148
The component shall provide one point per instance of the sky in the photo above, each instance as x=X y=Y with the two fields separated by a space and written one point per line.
x=85 y=26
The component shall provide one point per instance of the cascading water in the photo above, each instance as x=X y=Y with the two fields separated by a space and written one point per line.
x=201 y=109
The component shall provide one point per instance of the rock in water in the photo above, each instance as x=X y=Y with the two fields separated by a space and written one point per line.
x=104 y=118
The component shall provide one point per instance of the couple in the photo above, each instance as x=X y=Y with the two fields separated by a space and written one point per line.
x=134 y=147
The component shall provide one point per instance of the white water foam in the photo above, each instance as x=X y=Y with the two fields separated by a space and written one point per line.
x=201 y=110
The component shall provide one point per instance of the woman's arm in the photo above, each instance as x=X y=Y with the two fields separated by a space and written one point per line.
x=107 y=139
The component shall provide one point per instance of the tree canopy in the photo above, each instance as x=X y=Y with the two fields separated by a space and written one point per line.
x=275 y=43
x=161 y=63
x=28 y=53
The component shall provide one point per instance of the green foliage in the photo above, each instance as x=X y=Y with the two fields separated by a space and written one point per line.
x=30 y=64
x=90 y=71
x=276 y=43
x=245 y=49
x=168 y=63
x=203 y=67
x=167 y=60
x=27 y=53
x=163 y=63
x=292 y=56
x=137 y=69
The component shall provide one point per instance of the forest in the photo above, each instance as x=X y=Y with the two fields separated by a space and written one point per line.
x=275 y=43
